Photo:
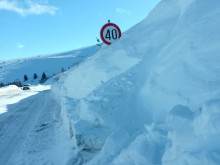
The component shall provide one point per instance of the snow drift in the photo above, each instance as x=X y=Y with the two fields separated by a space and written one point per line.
x=153 y=97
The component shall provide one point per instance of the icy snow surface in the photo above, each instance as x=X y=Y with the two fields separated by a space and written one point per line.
x=153 y=97
x=29 y=126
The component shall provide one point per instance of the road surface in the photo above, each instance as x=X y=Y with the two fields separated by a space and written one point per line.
x=30 y=130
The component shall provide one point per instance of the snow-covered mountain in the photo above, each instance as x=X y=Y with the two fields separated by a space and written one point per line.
x=14 y=70
x=151 y=98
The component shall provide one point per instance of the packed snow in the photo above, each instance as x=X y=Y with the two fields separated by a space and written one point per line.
x=150 y=98
x=13 y=94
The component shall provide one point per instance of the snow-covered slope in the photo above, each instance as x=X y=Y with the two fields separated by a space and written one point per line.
x=14 y=70
x=153 y=97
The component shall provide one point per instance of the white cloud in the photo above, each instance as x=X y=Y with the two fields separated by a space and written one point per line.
x=122 y=11
x=27 y=8
x=19 y=46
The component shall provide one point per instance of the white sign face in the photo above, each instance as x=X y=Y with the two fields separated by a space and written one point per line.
x=109 y=33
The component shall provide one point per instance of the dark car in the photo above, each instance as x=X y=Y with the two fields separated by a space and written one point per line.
x=26 y=87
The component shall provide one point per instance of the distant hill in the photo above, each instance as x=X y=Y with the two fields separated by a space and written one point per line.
x=15 y=69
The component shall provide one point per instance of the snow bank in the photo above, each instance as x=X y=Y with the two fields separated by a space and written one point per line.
x=9 y=88
x=153 y=96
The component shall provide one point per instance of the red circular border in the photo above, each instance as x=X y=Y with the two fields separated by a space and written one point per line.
x=103 y=28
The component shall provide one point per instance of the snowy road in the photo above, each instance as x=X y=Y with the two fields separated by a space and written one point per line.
x=29 y=129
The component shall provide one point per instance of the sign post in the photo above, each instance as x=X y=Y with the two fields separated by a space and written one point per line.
x=110 y=32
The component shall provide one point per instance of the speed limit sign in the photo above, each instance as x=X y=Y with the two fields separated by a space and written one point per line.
x=109 y=33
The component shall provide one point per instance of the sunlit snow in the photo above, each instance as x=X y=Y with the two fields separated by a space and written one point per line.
x=150 y=98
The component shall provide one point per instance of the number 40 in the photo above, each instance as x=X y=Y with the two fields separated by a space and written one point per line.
x=111 y=34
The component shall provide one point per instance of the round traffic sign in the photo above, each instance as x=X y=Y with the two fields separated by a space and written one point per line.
x=109 y=33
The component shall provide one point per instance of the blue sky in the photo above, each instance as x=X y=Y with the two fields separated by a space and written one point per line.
x=38 y=27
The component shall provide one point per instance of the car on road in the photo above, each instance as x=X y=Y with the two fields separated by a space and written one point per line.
x=26 y=87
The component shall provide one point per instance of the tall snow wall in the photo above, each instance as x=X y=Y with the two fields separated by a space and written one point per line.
x=152 y=97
